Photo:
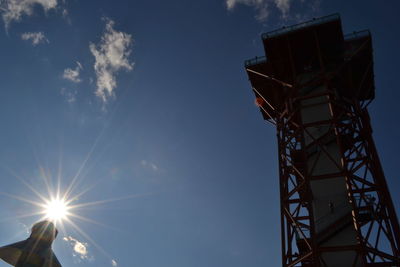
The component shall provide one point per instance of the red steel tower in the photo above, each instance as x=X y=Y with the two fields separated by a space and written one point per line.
x=315 y=85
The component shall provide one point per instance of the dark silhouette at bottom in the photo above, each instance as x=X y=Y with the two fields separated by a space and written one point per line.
x=36 y=250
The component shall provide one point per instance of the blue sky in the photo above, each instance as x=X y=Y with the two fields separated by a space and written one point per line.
x=147 y=103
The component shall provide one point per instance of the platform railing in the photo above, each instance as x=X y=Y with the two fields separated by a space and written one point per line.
x=255 y=61
x=357 y=35
x=299 y=26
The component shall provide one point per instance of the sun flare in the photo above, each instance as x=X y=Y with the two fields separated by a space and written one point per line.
x=61 y=205
x=56 y=209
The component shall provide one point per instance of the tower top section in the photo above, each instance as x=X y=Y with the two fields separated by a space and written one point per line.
x=299 y=57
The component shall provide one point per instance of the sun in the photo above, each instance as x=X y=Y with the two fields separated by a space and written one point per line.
x=56 y=209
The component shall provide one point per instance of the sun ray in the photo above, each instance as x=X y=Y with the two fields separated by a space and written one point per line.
x=74 y=180
x=37 y=241
x=26 y=184
x=84 y=191
x=61 y=226
x=47 y=181
x=38 y=204
x=22 y=216
x=94 y=222
x=93 y=203
x=88 y=156
x=59 y=172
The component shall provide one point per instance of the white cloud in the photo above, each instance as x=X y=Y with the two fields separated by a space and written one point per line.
x=73 y=74
x=13 y=10
x=114 y=263
x=35 y=37
x=111 y=55
x=79 y=249
x=262 y=6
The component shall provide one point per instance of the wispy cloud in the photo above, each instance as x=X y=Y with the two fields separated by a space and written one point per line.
x=69 y=94
x=114 y=263
x=263 y=7
x=73 y=74
x=79 y=249
x=13 y=10
x=150 y=165
x=111 y=55
x=25 y=227
x=35 y=37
